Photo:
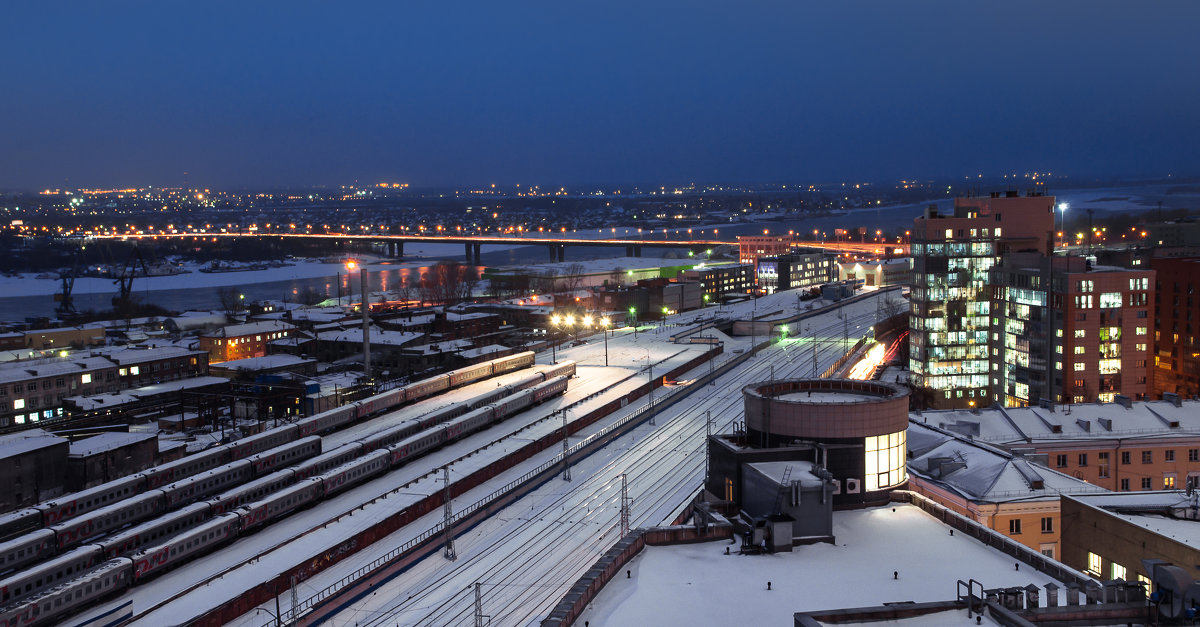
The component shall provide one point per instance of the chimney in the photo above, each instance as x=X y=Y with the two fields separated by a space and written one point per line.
x=1124 y=401
x=1173 y=398
x=1084 y=424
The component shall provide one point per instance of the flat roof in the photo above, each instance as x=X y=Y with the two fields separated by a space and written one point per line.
x=1147 y=509
x=697 y=584
x=106 y=442
x=26 y=442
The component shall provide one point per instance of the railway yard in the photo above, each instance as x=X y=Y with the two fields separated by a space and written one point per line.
x=347 y=528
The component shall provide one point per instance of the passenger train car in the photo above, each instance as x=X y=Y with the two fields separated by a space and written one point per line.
x=70 y=506
x=201 y=527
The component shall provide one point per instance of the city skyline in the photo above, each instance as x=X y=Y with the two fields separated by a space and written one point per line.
x=134 y=93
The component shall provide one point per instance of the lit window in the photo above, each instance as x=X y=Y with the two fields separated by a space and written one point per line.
x=134 y=370
x=1093 y=566
x=19 y=403
x=86 y=378
x=122 y=372
x=1141 y=330
x=1118 y=571
x=885 y=460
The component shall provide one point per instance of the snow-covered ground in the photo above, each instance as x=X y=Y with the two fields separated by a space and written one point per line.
x=698 y=584
x=29 y=285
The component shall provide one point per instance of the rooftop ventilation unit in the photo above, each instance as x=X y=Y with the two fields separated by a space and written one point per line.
x=1175 y=593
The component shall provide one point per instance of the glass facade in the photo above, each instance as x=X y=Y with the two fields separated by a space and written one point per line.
x=886 y=456
x=950 y=315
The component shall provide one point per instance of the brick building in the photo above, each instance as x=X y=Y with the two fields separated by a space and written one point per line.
x=31 y=468
x=46 y=339
x=240 y=341
x=1062 y=331
x=31 y=391
x=753 y=247
x=1124 y=447
x=1176 y=363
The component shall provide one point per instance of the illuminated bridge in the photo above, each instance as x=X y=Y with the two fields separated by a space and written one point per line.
x=555 y=244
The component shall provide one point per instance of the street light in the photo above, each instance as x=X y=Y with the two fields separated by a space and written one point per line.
x=633 y=315
x=604 y=332
x=554 y=320
x=1062 y=211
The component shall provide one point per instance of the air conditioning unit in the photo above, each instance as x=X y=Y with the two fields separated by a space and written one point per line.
x=837 y=486
x=853 y=486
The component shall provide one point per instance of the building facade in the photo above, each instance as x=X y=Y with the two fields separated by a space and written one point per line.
x=753 y=247
x=1065 y=332
x=240 y=341
x=1123 y=447
x=718 y=280
x=1176 y=362
x=1007 y=493
x=949 y=324
x=795 y=270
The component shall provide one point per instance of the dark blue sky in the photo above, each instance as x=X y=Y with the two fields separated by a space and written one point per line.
x=261 y=94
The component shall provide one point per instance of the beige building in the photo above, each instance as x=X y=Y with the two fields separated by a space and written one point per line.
x=1004 y=492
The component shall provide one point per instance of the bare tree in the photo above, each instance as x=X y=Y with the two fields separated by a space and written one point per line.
x=573 y=277
x=546 y=282
x=617 y=275
x=231 y=300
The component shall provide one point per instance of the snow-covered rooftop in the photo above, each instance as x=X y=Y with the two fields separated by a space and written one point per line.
x=48 y=367
x=448 y=346
x=1087 y=421
x=697 y=584
x=106 y=442
x=129 y=356
x=381 y=337
x=482 y=351
x=26 y=441
x=1148 y=510
x=979 y=472
x=250 y=328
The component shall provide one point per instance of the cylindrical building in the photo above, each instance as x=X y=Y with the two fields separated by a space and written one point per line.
x=859 y=426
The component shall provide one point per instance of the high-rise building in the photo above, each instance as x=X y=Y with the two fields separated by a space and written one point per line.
x=1176 y=365
x=950 y=317
x=1068 y=332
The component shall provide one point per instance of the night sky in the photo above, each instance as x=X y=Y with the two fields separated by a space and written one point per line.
x=261 y=94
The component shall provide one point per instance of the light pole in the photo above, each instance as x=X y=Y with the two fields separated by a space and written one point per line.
x=650 y=376
x=633 y=315
x=554 y=320
x=1062 y=212
x=604 y=332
